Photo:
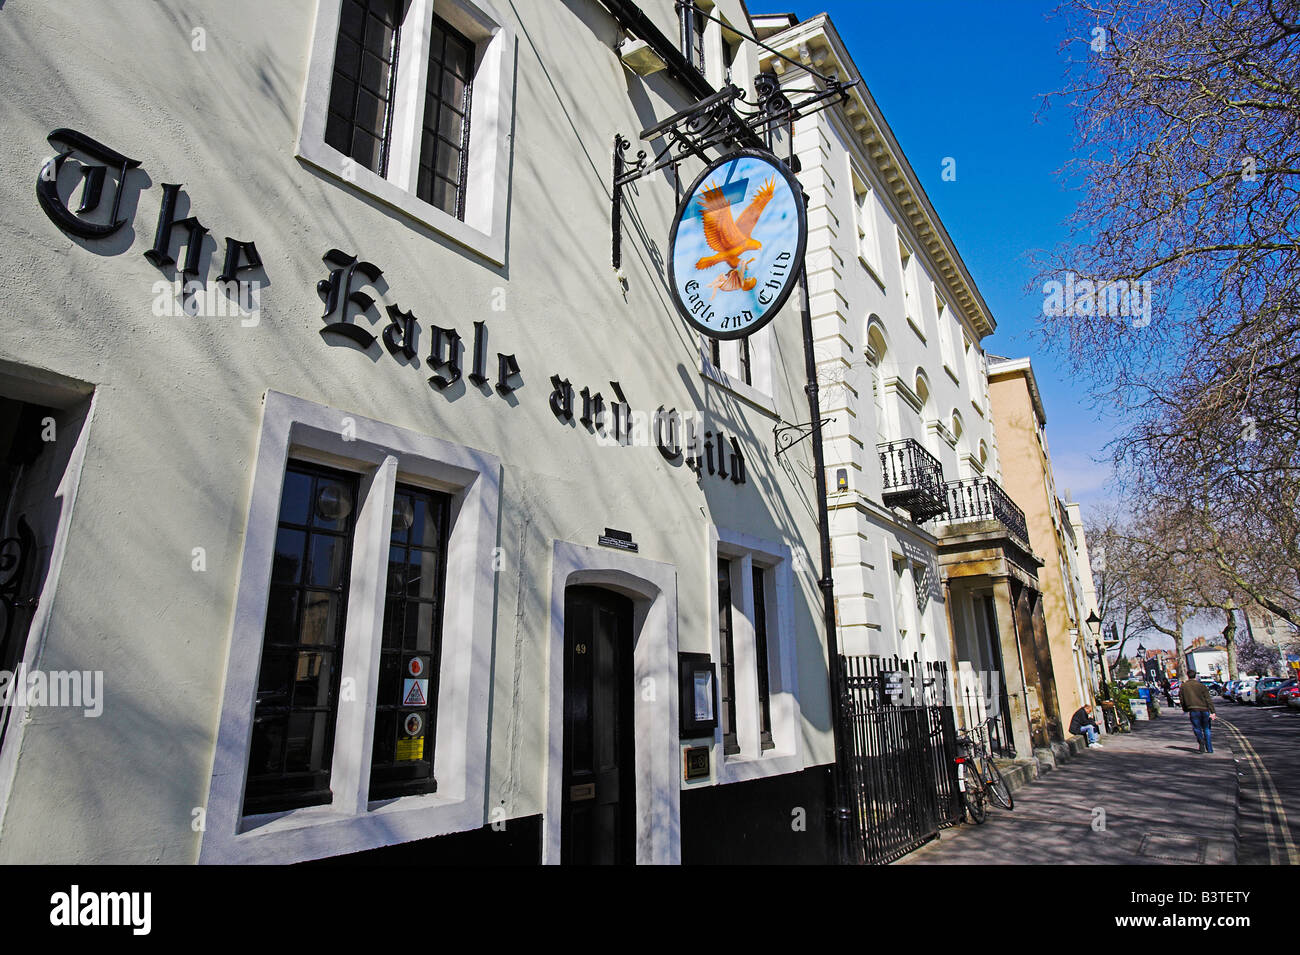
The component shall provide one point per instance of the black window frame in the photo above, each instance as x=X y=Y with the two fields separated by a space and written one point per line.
x=395 y=778
x=371 y=10
x=727 y=663
x=284 y=790
x=761 y=657
x=434 y=95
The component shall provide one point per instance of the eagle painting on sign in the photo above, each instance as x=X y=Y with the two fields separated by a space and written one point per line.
x=737 y=243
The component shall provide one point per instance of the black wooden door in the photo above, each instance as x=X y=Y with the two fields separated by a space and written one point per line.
x=598 y=825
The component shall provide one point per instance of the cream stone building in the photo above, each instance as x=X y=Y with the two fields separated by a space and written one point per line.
x=932 y=560
x=1021 y=422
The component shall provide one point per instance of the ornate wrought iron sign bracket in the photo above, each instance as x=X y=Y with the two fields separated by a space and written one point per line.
x=787 y=436
x=723 y=121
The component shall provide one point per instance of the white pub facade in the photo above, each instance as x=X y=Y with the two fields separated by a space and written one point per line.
x=331 y=448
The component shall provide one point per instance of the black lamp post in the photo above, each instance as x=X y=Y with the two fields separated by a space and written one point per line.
x=1094 y=624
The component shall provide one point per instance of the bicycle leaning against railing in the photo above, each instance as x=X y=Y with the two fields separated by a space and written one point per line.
x=978 y=777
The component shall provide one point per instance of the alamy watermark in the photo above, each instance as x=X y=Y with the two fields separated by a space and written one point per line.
x=1081 y=297
x=81 y=689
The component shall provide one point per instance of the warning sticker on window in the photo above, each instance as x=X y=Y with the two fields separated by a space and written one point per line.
x=410 y=749
x=415 y=692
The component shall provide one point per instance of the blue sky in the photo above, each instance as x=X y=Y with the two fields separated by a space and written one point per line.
x=966 y=80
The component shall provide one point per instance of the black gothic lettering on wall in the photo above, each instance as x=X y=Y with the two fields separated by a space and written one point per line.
x=401 y=333
x=507 y=368
x=737 y=463
x=668 y=433
x=562 y=398
x=47 y=185
x=479 y=374
x=160 y=255
x=235 y=249
x=338 y=293
x=621 y=412
x=444 y=341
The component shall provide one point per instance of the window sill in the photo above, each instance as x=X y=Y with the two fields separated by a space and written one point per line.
x=978 y=410
x=487 y=183
x=951 y=373
x=873 y=271
x=737 y=769
x=916 y=328
x=370 y=185
x=748 y=393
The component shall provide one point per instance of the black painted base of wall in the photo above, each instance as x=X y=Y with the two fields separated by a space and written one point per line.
x=779 y=820
x=756 y=823
x=519 y=843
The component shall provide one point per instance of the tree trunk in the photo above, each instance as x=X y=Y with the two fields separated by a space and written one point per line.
x=1178 y=648
x=1230 y=641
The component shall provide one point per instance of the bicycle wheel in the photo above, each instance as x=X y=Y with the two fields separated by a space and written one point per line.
x=973 y=794
x=996 y=785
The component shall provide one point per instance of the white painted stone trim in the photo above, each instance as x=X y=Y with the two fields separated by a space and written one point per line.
x=760 y=363
x=783 y=679
x=293 y=427
x=652 y=586
x=40 y=623
x=492 y=104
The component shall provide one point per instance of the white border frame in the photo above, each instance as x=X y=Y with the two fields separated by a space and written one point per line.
x=492 y=105
x=293 y=427
x=652 y=585
x=752 y=762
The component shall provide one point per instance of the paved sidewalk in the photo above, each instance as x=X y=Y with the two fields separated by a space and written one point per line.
x=1145 y=798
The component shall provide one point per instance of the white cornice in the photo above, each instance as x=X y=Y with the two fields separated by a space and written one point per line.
x=816 y=42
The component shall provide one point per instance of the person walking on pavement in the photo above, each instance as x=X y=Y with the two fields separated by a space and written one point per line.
x=1197 y=705
x=1083 y=723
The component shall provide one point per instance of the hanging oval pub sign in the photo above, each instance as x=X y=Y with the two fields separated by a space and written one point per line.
x=737 y=244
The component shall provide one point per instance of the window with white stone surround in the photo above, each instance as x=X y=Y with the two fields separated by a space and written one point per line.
x=762 y=735
x=386 y=472
x=411 y=102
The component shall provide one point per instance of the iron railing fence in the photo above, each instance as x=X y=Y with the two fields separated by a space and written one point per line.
x=912 y=479
x=902 y=741
x=982 y=499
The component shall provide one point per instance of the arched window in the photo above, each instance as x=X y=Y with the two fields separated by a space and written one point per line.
x=876 y=349
x=957 y=428
x=923 y=393
x=984 y=456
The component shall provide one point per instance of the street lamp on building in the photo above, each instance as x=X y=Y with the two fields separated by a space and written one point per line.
x=1094 y=624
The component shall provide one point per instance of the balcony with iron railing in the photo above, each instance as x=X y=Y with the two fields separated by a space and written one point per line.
x=912 y=479
x=982 y=499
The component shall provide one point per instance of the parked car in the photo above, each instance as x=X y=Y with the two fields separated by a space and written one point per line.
x=1285 y=693
x=1293 y=698
x=1214 y=686
x=1266 y=693
x=1230 y=689
x=1246 y=692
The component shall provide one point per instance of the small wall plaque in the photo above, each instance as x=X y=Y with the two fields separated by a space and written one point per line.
x=697 y=762
x=620 y=539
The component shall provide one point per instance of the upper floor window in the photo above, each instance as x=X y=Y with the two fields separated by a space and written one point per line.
x=394 y=89
x=912 y=309
x=865 y=210
x=360 y=121
x=695 y=24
